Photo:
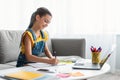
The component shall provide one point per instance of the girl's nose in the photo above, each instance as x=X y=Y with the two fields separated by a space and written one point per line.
x=46 y=25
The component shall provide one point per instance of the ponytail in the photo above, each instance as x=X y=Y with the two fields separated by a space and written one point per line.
x=32 y=20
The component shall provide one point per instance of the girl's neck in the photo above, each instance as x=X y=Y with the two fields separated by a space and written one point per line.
x=36 y=31
x=35 y=28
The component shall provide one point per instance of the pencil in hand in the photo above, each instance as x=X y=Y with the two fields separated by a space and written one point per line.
x=54 y=53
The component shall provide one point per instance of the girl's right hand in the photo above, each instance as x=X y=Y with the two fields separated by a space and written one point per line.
x=53 y=61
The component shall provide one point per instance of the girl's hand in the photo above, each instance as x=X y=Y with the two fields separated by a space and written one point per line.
x=53 y=61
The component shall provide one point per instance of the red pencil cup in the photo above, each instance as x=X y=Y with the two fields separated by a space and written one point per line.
x=95 y=57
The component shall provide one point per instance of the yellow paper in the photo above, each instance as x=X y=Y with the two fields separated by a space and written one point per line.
x=76 y=74
x=25 y=75
x=65 y=62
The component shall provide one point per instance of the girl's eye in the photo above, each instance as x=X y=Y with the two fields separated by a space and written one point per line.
x=46 y=21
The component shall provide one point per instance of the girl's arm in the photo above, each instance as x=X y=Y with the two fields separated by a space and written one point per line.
x=47 y=51
x=33 y=58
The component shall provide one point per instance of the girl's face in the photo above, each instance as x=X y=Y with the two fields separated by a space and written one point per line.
x=44 y=21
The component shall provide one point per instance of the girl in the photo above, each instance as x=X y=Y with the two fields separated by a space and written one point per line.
x=33 y=42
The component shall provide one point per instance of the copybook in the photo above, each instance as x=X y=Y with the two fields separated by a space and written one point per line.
x=29 y=75
x=24 y=75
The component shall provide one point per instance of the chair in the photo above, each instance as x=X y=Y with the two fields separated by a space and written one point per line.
x=69 y=47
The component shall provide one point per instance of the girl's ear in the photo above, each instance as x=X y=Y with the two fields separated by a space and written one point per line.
x=37 y=17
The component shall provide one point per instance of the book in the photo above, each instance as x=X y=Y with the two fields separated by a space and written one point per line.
x=24 y=75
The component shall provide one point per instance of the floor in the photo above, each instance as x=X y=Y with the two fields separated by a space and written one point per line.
x=107 y=76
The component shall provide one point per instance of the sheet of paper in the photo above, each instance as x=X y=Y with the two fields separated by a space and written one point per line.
x=68 y=59
x=63 y=75
x=48 y=77
x=76 y=74
x=39 y=65
x=63 y=69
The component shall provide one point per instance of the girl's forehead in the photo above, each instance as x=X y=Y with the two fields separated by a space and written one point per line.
x=46 y=16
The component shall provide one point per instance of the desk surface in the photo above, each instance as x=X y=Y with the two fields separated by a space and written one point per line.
x=87 y=73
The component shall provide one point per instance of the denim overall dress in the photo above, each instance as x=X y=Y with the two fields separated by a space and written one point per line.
x=37 y=49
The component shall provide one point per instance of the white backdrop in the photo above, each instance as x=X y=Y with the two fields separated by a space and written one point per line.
x=69 y=16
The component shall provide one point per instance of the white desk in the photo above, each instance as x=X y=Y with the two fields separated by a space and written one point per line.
x=87 y=73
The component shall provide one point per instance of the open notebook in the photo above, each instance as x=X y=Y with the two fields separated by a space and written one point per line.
x=89 y=65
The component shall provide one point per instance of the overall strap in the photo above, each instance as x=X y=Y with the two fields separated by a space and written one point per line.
x=33 y=34
x=42 y=33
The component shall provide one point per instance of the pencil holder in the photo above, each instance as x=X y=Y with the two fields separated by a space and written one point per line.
x=95 y=57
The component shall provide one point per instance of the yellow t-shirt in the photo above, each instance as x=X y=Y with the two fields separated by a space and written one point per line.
x=32 y=40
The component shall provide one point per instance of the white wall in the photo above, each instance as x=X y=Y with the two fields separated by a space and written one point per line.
x=118 y=52
x=75 y=16
x=9 y=14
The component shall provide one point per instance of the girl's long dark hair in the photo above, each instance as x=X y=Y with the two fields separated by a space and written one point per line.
x=42 y=11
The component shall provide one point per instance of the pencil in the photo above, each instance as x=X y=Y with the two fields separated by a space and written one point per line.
x=54 y=53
